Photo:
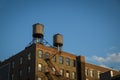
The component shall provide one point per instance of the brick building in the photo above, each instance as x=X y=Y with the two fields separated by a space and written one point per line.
x=93 y=72
x=108 y=75
x=41 y=62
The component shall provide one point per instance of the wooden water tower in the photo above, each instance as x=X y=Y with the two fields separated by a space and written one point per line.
x=38 y=32
x=58 y=41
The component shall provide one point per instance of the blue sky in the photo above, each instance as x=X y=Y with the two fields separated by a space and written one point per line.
x=90 y=28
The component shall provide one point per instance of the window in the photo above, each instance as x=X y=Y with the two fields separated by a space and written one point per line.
x=12 y=77
x=91 y=72
x=86 y=71
x=29 y=56
x=67 y=61
x=67 y=74
x=47 y=55
x=73 y=63
x=61 y=59
x=53 y=69
x=39 y=78
x=39 y=67
x=29 y=68
x=61 y=72
x=54 y=58
x=111 y=72
x=98 y=73
x=21 y=60
x=73 y=75
x=40 y=54
x=13 y=64
x=20 y=74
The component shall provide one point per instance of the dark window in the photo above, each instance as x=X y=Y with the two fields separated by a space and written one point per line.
x=29 y=56
x=47 y=55
x=12 y=77
x=73 y=63
x=67 y=61
x=21 y=60
x=20 y=74
x=61 y=59
x=13 y=64
x=29 y=69
x=54 y=58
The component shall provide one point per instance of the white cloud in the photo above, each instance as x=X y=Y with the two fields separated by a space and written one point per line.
x=115 y=57
x=98 y=59
x=113 y=48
